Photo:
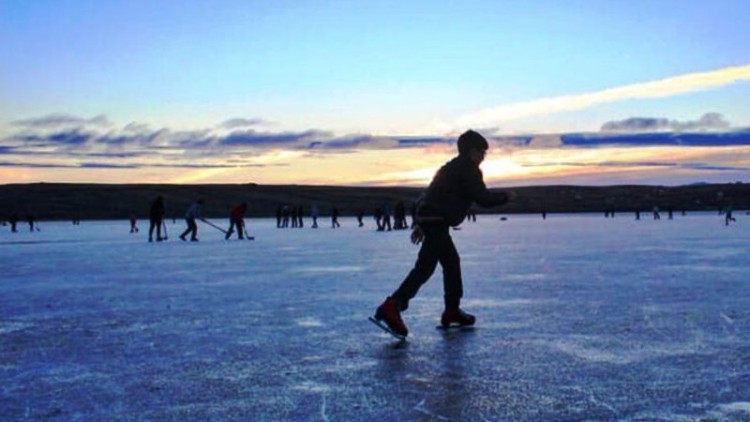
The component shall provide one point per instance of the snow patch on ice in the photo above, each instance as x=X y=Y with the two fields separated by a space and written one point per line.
x=312 y=387
x=618 y=354
x=309 y=322
x=742 y=406
x=10 y=326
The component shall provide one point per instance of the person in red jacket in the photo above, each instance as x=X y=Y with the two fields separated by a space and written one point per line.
x=236 y=219
x=445 y=203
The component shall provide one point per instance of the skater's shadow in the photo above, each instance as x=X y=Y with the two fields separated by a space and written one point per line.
x=398 y=345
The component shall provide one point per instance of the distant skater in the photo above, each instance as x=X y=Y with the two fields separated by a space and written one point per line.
x=13 y=220
x=445 y=203
x=236 y=219
x=31 y=221
x=335 y=218
x=300 y=216
x=386 y=217
x=155 y=217
x=133 y=224
x=193 y=213
x=728 y=215
x=314 y=213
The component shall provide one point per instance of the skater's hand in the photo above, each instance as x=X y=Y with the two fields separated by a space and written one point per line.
x=417 y=235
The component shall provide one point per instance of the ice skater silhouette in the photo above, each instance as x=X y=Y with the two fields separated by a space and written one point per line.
x=445 y=203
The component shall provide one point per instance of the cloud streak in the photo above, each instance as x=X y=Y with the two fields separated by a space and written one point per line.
x=666 y=87
x=735 y=138
x=709 y=121
x=57 y=120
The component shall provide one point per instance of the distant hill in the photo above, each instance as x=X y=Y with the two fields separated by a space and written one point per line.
x=60 y=201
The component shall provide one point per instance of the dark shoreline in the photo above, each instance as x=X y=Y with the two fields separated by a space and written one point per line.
x=67 y=201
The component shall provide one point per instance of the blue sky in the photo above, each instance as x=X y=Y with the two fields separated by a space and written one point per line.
x=326 y=92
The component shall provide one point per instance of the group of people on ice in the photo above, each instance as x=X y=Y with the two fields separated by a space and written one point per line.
x=13 y=221
x=193 y=213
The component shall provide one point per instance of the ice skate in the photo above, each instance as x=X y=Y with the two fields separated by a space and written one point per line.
x=457 y=317
x=388 y=318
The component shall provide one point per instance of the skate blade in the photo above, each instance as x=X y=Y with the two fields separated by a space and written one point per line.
x=385 y=328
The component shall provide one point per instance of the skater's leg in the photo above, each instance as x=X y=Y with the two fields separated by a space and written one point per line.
x=193 y=230
x=424 y=267
x=230 y=231
x=188 y=230
x=452 y=282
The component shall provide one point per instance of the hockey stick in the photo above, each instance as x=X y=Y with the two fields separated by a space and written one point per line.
x=214 y=225
x=244 y=230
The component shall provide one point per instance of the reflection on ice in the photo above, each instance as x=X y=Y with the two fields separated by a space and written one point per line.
x=497 y=303
x=328 y=269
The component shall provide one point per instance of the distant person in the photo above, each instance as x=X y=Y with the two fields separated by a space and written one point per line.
x=293 y=215
x=314 y=213
x=236 y=220
x=728 y=210
x=193 y=213
x=335 y=218
x=657 y=216
x=285 y=211
x=156 y=217
x=13 y=220
x=360 y=216
x=133 y=224
x=386 y=217
x=377 y=214
x=445 y=203
x=300 y=217
x=30 y=220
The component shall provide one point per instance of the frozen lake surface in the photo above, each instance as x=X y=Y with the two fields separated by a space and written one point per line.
x=578 y=318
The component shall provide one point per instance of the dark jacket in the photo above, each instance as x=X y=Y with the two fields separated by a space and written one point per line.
x=457 y=185
x=157 y=209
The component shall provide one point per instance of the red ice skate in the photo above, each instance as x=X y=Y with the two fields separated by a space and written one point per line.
x=389 y=313
x=457 y=316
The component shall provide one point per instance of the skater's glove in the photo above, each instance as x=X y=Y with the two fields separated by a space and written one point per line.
x=417 y=235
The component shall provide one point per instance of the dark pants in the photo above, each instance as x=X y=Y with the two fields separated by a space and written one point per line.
x=235 y=223
x=191 y=228
x=436 y=247
x=155 y=224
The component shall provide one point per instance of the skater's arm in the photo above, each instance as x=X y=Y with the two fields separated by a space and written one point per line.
x=481 y=195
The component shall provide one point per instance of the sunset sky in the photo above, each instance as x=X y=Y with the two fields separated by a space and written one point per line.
x=374 y=92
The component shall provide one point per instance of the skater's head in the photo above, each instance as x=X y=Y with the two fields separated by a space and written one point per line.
x=473 y=145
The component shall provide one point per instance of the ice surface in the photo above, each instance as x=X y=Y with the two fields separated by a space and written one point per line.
x=579 y=318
